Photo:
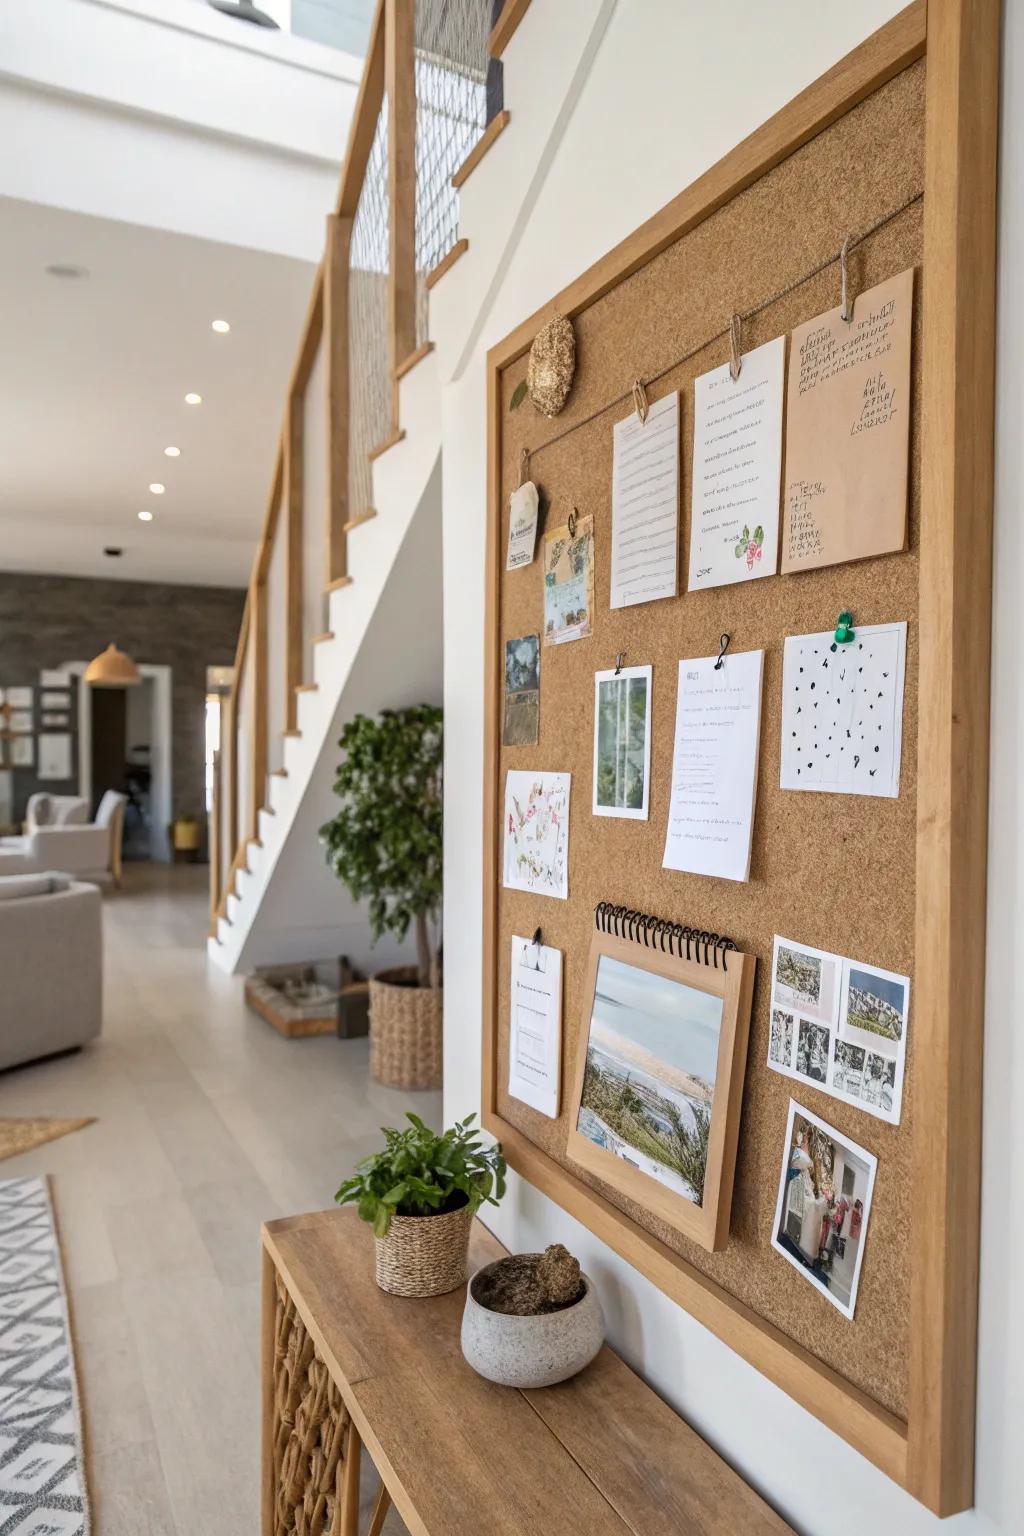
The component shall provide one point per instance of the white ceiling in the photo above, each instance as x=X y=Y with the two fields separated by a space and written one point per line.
x=93 y=374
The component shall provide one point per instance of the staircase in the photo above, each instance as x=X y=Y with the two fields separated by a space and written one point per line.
x=343 y=613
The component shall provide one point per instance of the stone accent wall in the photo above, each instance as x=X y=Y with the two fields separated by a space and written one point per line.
x=47 y=620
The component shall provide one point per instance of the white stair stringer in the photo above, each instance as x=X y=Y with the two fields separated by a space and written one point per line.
x=385 y=653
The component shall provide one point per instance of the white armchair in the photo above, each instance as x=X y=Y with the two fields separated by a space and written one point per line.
x=89 y=852
x=45 y=810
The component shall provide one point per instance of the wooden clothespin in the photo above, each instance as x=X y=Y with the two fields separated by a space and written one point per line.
x=640 y=404
x=735 y=347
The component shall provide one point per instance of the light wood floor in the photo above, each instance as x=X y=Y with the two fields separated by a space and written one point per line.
x=208 y=1123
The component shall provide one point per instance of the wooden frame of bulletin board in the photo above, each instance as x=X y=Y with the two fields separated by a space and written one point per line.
x=926 y=1441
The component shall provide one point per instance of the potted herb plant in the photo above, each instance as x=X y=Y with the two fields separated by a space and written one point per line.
x=531 y=1319
x=421 y=1192
x=385 y=845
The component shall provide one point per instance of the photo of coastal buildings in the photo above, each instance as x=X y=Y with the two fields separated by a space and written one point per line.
x=649 y=1083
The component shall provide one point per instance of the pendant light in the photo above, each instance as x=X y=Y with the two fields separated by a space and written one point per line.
x=112 y=669
x=244 y=10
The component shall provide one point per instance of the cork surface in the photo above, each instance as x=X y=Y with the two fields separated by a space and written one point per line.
x=834 y=871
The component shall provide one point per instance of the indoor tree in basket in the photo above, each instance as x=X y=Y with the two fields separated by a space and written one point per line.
x=420 y=1193
x=385 y=845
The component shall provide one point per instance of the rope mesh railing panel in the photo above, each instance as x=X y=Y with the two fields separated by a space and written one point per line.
x=369 y=348
x=457 y=92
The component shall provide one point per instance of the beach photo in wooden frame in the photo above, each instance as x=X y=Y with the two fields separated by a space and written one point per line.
x=658 y=1079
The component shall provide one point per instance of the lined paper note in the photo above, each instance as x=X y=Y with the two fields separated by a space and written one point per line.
x=714 y=766
x=645 y=505
x=737 y=465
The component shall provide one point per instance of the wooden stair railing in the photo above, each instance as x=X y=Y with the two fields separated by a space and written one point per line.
x=390 y=67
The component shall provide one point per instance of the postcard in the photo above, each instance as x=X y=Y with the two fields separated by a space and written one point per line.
x=521 y=726
x=824 y=1203
x=840 y=1025
x=622 y=742
x=536 y=851
x=569 y=582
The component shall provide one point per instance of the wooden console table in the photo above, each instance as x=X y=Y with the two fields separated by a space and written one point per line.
x=343 y=1363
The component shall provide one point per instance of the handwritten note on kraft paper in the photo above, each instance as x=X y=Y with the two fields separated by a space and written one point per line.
x=645 y=505
x=847 y=431
x=737 y=465
x=714 y=766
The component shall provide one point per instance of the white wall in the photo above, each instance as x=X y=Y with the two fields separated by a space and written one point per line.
x=716 y=72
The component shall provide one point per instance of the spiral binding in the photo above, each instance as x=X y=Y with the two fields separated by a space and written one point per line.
x=658 y=933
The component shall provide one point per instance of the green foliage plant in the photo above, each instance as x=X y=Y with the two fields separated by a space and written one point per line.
x=418 y=1173
x=385 y=843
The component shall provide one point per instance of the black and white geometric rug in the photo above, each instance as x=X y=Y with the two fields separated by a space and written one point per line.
x=42 y=1472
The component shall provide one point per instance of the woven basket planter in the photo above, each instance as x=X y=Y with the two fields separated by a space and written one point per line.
x=424 y=1255
x=405 y=1030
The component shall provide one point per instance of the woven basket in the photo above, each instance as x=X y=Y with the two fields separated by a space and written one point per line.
x=424 y=1255
x=405 y=1030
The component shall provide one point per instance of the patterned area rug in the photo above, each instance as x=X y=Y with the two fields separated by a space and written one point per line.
x=42 y=1468
x=22 y=1135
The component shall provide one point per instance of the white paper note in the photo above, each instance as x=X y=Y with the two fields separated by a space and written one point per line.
x=535 y=1025
x=714 y=766
x=645 y=505
x=522 y=526
x=737 y=467
x=842 y=711
x=537 y=832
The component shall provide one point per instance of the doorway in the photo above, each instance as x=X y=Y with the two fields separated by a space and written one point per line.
x=144 y=744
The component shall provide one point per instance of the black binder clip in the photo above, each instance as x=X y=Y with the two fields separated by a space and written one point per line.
x=618 y=662
x=723 y=646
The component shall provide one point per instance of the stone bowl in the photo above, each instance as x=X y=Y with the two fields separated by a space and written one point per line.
x=532 y=1351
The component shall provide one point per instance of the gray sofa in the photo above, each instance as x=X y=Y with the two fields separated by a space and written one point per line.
x=51 y=966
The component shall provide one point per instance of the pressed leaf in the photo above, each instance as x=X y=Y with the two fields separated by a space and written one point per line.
x=518 y=396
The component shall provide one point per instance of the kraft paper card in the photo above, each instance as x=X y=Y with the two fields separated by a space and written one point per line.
x=847 y=431
x=737 y=467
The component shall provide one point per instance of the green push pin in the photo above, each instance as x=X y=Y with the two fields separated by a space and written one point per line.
x=844 y=628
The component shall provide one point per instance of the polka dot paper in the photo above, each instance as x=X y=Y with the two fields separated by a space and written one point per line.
x=842 y=711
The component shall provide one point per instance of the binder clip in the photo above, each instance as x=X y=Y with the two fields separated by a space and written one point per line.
x=844 y=628
x=618 y=662
x=723 y=646
x=640 y=404
x=571 y=523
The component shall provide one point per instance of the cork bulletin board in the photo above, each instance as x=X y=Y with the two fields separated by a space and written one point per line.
x=760 y=234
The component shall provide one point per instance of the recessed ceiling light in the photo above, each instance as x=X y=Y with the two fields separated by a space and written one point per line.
x=172 y=453
x=156 y=489
x=193 y=399
x=65 y=269
x=221 y=327
x=145 y=517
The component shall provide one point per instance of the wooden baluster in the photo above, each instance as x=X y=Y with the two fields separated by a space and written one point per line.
x=400 y=82
x=293 y=468
x=258 y=758
x=336 y=260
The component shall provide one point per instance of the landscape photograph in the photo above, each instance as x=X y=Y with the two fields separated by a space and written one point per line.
x=875 y=1010
x=649 y=1081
